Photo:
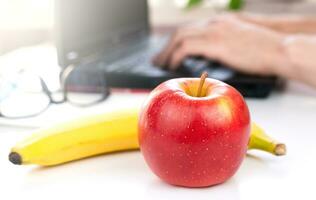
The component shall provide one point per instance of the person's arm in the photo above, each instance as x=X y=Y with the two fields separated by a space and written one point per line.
x=245 y=47
x=300 y=51
x=283 y=23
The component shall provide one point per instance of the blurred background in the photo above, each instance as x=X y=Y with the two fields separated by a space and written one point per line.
x=27 y=27
x=29 y=22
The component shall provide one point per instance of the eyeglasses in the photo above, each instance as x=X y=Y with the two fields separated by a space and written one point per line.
x=25 y=94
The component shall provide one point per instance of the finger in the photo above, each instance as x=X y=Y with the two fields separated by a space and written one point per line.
x=162 y=58
x=192 y=47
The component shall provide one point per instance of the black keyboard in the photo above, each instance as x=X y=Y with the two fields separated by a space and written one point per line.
x=139 y=63
x=196 y=66
x=137 y=71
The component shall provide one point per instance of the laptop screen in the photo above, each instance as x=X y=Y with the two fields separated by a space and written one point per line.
x=85 y=27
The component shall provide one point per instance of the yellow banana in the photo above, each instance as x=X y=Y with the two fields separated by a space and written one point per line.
x=78 y=139
x=261 y=141
x=89 y=136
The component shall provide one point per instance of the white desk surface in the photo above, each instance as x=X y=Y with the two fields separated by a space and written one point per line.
x=290 y=116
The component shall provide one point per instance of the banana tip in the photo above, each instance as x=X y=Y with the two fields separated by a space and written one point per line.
x=15 y=158
x=280 y=150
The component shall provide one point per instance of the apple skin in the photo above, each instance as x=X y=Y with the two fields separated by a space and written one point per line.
x=194 y=141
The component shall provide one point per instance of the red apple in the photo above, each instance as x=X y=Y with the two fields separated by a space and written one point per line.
x=190 y=139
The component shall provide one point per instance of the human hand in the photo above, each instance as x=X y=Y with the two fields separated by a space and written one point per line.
x=241 y=45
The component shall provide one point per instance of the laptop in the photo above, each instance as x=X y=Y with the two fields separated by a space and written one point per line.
x=113 y=38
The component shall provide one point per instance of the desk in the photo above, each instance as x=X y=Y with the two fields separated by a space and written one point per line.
x=289 y=116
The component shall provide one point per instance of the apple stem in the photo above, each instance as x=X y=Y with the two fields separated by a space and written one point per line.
x=202 y=80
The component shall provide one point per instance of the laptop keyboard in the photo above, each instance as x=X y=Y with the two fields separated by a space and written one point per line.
x=139 y=63
x=136 y=63
x=196 y=66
